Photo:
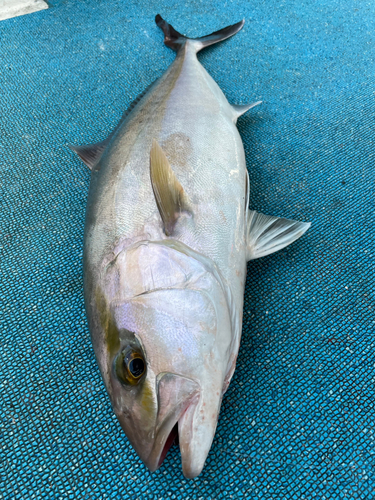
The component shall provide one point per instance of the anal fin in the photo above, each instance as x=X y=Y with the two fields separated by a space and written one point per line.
x=241 y=109
x=169 y=194
x=267 y=234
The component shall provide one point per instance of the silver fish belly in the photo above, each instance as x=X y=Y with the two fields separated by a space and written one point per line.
x=167 y=238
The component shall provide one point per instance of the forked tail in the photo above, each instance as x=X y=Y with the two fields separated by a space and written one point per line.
x=175 y=40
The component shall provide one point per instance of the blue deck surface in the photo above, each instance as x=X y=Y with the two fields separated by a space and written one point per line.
x=298 y=419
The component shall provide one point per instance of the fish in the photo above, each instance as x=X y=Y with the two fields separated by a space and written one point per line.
x=168 y=234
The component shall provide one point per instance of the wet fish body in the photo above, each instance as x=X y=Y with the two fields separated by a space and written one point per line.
x=167 y=238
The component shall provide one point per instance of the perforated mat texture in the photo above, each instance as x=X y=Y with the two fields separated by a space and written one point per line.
x=298 y=419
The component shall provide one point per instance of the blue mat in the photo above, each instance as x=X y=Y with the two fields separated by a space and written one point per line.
x=298 y=419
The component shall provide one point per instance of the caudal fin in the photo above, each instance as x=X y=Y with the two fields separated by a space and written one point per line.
x=175 y=40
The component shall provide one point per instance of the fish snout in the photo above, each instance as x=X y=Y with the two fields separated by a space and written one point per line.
x=176 y=394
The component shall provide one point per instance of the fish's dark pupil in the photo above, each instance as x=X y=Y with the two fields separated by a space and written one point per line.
x=136 y=367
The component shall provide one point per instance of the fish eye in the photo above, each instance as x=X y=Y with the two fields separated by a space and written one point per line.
x=136 y=367
x=130 y=366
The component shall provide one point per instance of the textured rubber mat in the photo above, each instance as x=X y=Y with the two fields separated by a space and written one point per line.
x=298 y=419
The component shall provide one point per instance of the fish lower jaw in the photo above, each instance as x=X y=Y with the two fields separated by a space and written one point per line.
x=196 y=432
x=177 y=395
x=193 y=449
x=169 y=433
x=172 y=439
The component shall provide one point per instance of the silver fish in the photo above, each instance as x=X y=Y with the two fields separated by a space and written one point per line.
x=168 y=234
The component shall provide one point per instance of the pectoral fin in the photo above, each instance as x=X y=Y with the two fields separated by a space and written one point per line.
x=267 y=234
x=169 y=194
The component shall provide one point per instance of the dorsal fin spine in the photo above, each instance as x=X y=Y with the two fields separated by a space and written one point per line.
x=90 y=154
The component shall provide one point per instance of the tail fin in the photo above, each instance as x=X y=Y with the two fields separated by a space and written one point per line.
x=175 y=40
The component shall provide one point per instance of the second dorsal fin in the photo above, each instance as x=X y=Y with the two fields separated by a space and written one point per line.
x=90 y=154
x=169 y=194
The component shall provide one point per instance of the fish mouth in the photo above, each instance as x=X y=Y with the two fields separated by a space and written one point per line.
x=171 y=439
x=193 y=450
x=176 y=396
x=179 y=419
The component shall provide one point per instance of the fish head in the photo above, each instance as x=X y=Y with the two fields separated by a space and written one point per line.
x=165 y=351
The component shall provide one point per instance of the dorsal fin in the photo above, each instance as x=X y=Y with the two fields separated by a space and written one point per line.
x=90 y=154
x=240 y=109
x=169 y=194
x=133 y=104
